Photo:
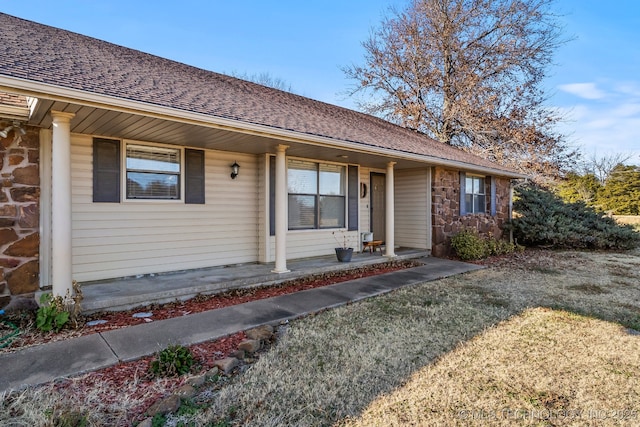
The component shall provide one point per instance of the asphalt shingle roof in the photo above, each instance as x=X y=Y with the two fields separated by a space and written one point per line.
x=44 y=54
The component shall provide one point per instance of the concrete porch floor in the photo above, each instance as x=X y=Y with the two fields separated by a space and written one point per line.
x=130 y=292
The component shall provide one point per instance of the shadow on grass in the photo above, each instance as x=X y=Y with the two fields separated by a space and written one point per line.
x=332 y=366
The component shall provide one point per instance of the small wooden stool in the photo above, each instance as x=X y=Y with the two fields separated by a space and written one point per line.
x=372 y=246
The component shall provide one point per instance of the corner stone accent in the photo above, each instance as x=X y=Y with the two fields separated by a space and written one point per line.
x=24 y=279
x=28 y=246
x=19 y=214
x=447 y=221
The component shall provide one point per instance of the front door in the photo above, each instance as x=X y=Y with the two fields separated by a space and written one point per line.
x=378 y=205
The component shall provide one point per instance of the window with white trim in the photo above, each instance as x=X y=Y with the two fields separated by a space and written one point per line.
x=475 y=194
x=152 y=172
x=317 y=195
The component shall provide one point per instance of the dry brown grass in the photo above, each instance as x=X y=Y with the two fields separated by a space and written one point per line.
x=543 y=367
x=347 y=365
x=628 y=219
x=476 y=342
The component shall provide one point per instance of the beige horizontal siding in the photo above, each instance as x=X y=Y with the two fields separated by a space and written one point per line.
x=412 y=225
x=312 y=243
x=131 y=238
x=365 y=213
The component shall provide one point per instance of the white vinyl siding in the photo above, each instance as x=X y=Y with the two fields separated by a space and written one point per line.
x=412 y=208
x=125 y=239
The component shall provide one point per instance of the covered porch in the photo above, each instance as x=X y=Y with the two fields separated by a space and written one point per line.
x=126 y=293
x=241 y=220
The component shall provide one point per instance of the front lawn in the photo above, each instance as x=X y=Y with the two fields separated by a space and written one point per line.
x=534 y=335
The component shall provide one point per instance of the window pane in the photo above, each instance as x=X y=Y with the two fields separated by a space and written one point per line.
x=468 y=185
x=302 y=212
x=145 y=185
x=332 y=179
x=302 y=177
x=153 y=159
x=331 y=211
x=468 y=202
x=478 y=203
x=478 y=186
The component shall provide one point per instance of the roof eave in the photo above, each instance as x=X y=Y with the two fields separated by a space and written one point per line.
x=59 y=93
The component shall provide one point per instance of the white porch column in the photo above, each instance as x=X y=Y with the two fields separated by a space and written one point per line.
x=61 y=203
x=390 y=213
x=281 y=210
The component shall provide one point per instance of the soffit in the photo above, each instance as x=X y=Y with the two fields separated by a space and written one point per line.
x=97 y=121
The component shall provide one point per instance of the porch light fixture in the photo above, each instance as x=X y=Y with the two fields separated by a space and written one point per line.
x=235 y=169
x=18 y=132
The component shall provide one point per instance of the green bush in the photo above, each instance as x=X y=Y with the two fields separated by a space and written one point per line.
x=469 y=245
x=173 y=361
x=543 y=219
x=51 y=314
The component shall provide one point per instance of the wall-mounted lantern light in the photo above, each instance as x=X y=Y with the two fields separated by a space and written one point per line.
x=235 y=168
x=18 y=132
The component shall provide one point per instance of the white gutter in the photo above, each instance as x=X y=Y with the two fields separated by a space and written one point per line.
x=57 y=93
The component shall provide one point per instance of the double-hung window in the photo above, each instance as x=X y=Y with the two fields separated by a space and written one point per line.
x=153 y=172
x=317 y=195
x=475 y=194
x=146 y=172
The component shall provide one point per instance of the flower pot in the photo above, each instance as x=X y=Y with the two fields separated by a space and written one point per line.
x=344 y=254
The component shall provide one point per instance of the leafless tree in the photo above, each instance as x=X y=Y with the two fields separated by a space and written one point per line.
x=602 y=167
x=468 y=73
x=264 y=79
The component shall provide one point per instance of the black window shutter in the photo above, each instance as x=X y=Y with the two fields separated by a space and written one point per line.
x=194 y=176
x=354 y=198
x=463 y=193
x=272 y=196
x=106 y=170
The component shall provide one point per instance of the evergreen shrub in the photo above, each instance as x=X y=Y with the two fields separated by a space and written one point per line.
x=543 y=219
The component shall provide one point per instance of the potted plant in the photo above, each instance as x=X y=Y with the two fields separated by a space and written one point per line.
x=343 y=253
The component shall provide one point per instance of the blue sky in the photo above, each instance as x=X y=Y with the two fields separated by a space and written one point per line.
x=596 y=82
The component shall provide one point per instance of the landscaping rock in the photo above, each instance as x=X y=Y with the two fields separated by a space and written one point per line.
x=197 y=381
x=4 y=300
x=164 y=406
x=186 y=391
x=19 y=303
x=212 y=373
x=238 y=354
x=227 y=364
x=147 y=422
x=264 y=332
x=250 y=346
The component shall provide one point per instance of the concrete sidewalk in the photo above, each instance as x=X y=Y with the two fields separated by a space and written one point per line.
x=44 y=363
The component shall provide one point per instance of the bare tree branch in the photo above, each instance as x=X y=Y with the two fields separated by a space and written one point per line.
x=469 y=73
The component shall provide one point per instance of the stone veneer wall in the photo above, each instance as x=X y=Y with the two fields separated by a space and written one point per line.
x=19 y=214
x=446 y=210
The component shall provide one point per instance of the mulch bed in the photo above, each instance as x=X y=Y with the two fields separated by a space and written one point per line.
x=30 y=336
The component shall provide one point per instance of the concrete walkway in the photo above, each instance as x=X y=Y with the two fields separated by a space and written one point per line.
x=44 y=363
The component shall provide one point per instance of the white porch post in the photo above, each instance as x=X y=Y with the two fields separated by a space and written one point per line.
x=390 y=213
x=281 y=210
x=61 y=203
